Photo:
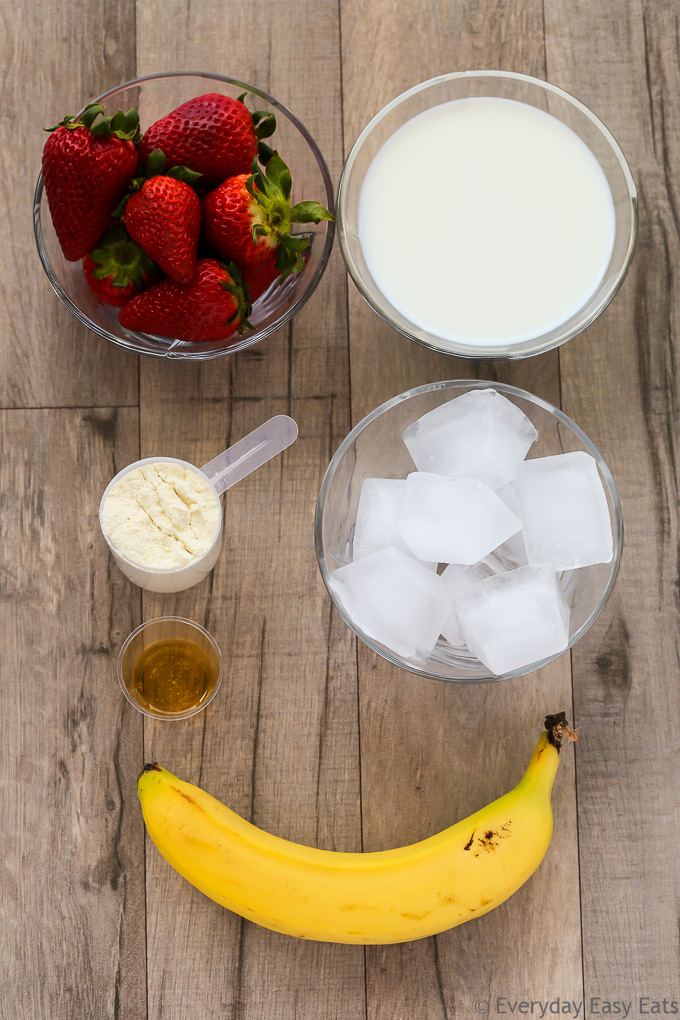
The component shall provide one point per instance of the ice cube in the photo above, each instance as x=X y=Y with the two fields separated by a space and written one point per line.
x=453 y=520
x=509 y=555
x=564 y=511
x=395 y=600
x=479 y=435
x=513 y=553
x=514 y=619
x=509 y=497
x=376 y=525
x=459 y=581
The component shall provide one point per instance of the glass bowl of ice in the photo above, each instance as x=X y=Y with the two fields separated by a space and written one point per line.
x=487 y=214
x=468 y=531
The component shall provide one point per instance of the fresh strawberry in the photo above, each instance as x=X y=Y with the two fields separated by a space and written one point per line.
x=248 y=218
x=118 y=269
x=229 y=214
x=86 y=167
x=260 y=276
x=163 y=214
x=214 y=305
x=212 y=134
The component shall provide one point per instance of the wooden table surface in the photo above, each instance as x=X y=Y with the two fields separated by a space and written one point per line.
x=313 y=737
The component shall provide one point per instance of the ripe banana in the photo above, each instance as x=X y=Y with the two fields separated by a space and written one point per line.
x=384 y=897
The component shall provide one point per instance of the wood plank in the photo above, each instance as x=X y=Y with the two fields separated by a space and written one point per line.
x=620 y=382
x=280 y=742
x=72 y=941
x=47 y=359
x=448 y=750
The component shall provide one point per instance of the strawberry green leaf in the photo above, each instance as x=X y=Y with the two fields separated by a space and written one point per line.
x=240 y=291
x=295 y=242
x=234 y=270
x=123 y=125
x=264 y=152
x=285 y=262
x=155 y=163
x=90 y=114
x=120 y=208
x=121 y=259
x=118 y=121
x=271 y=188
x=102 y=129
x=183 y=173
x=278 y=176
x=264 y=123
x=309 y=212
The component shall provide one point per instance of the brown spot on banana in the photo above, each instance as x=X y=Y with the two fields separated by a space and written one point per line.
x=188 y=797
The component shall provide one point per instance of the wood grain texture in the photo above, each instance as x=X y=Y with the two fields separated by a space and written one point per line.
x=72 y=940
x=47 y=359
x=621 y=384
x=280 y=743
x=310 y=736
x=447 y=750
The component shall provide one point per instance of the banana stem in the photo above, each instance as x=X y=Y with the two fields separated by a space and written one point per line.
x=544 y=762
x=558 y=728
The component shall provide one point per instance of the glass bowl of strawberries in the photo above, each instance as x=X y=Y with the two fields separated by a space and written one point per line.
x=183 y=215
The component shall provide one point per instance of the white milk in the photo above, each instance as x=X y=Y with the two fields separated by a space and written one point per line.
x=486 y=221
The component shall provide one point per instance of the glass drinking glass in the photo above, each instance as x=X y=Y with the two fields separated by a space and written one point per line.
x=168 y=628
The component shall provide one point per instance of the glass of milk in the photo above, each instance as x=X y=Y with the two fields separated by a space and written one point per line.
x=487 y=214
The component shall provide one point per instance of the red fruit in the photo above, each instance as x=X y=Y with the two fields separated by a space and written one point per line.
x=118 y=269
x=260 y=276
x=86 y=168
x=248 y=219
x=229 y=214
x=165 y=218
x=211 y=307
x=212 y=134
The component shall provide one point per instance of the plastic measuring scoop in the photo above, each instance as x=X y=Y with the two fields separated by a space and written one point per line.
x=222 y=472
x=251 y=452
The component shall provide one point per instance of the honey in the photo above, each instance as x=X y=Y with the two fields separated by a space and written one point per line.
x=172 y=676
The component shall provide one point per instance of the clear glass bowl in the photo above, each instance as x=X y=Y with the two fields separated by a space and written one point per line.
x=154 y=96
x=375 y=449
x=501 y=84
x=167 y=628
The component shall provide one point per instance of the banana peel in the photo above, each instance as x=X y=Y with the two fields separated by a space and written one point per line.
x=367 y=898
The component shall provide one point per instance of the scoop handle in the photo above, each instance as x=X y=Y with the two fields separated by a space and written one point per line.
x=251 y=452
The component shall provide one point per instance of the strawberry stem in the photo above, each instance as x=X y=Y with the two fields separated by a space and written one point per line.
x=155 y=167
x=240 y=291
x=119 y=257
x=271 y=188
x=121 y=125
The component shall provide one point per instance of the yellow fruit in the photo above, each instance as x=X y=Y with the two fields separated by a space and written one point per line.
x=383 y=897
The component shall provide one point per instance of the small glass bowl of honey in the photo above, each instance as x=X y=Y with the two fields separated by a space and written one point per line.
x=170 y=668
